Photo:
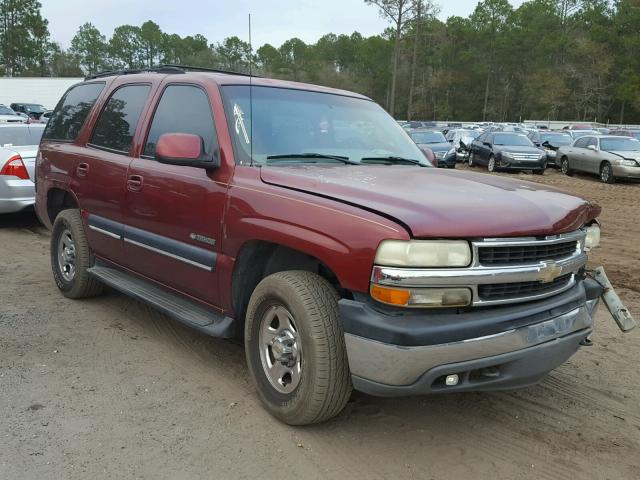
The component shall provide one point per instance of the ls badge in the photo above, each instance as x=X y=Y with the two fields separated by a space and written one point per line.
x=549 y=271
x=203 y=239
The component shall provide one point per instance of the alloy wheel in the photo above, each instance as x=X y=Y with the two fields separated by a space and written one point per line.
x=67 y=255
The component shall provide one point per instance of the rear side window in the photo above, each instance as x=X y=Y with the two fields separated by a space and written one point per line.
x=71 y=112
x=117 y=123
x=182 y=109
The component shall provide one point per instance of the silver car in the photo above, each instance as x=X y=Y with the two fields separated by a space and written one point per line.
x=18 y=150
x=608 y=156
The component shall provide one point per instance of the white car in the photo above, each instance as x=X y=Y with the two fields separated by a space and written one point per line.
x=7 y=115
x=18 y=149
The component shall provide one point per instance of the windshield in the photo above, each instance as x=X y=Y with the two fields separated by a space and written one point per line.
x=6 y=110
x=582 y=133
x=19 y=136
x=428 y=137
x=288 y=122
x=34 y=107
x=556 y=139
x=619 y=144
x=510 y=139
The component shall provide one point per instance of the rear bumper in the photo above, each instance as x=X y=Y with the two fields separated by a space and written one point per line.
x=16 y=194
x=489 y=349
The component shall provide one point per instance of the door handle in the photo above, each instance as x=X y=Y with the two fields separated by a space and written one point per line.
x=82 y=170
x=134 y=183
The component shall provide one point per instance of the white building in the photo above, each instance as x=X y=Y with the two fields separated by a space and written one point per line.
x=42 y=90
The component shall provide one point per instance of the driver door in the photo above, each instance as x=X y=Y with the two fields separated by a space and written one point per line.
x=173 y=213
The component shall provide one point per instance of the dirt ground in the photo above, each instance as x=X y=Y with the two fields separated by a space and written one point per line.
x=107 y=388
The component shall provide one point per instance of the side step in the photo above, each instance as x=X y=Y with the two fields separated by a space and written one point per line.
x=175 y=306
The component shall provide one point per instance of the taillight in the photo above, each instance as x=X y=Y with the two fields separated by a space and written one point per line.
x=15 y=168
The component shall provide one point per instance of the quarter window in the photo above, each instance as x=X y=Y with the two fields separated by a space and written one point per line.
x=182 y=109
x=71 y=112
x=117 y=122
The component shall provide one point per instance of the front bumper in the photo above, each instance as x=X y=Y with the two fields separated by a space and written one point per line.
x=393 y=353
x=16 y=194
x=622 y=171
x=513 y=164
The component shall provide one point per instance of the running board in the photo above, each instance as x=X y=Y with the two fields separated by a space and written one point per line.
x=171 y=304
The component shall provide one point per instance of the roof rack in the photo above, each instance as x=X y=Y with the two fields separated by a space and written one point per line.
x=166 y=68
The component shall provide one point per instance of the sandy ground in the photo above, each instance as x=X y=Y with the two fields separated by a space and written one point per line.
x=107 y=388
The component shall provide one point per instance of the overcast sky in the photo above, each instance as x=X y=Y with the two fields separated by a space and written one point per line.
x=272 y=21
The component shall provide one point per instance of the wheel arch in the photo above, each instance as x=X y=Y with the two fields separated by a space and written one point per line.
x=59 y=199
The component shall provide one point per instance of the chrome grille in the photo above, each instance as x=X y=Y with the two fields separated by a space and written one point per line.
x=524 y=254
x=526 y=157
x=507 y=291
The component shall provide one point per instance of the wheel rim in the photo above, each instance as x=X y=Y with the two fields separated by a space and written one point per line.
x=67 y=256
x=565 y=166
x=604 y=175
x=471 y=156
x=492 y=164
x=280 y=349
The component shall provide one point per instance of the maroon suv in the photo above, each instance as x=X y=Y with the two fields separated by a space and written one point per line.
x=305 y=221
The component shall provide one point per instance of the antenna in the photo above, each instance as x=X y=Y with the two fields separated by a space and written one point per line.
x=250 y=94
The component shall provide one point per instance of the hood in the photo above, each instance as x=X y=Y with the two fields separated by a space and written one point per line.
x=437 y=147
x=439 y=203
x=629 y=155
x=517 y=149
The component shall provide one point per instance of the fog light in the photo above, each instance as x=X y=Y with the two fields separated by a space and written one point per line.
x=452 y=380
x=421 y=297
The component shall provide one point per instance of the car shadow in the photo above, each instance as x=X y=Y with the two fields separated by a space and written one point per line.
x=26 y=219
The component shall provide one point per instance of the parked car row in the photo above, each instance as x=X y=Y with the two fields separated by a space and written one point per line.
x=24 y=113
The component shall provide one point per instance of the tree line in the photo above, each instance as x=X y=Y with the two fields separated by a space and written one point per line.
x=546 y=59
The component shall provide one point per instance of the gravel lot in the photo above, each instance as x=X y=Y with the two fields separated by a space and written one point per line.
x=107 y=388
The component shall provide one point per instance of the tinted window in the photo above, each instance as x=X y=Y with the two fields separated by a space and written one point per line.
x=117 y=122
x=71 y=112
x=19 y=136
x=182 y=109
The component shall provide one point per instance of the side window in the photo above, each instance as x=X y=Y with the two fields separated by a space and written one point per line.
x=490 y=138
x=117 y=122
x=183 y=109
x=592 y=141
x=482 y=137
x=71 y=112
x=581 y=142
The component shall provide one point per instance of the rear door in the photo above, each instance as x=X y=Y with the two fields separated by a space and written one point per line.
x=173 y=213
x=591 y=158
x=102 y=169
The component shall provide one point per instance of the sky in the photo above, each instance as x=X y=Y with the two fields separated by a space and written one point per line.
x=273 y=21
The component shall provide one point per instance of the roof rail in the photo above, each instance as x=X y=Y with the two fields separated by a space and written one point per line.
x=205 y=69
x=159 y=69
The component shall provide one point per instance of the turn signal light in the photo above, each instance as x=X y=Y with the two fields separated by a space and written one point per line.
x=421 y=297
x=15 y=168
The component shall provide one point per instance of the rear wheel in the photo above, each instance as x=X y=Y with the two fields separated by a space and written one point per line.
x=71 y=257
x=606 y=173
x=564 y=166
x=295 y=348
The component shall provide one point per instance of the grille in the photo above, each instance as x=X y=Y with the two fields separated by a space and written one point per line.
x=526 y=156
x=519 y=255
x=507 y=291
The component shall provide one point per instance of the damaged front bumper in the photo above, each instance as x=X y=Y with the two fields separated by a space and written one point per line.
x=394 y=353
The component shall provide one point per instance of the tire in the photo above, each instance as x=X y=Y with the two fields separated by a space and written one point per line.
x=564 y=167
x=606 y=173
x=71 y=257
x=491 y=166
x=472 y=159
x=298 y=311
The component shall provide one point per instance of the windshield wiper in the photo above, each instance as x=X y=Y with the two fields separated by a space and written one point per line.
x=295 y=156
x=391 y=160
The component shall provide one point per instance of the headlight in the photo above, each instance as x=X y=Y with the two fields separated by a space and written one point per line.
x=628 y=163
x=451 y=152
x=592 y=240
x=421 y=297
x=423 y=253
x=507 y=155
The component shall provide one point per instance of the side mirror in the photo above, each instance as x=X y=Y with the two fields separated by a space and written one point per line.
x=429 y=155
x=592 y=147
x=546 y=144
x=183 y=149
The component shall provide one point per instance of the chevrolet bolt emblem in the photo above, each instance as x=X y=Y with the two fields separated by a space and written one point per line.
x=549 y=271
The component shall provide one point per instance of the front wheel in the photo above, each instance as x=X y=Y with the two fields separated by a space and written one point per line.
x=71 y=257
x=295 y=348
x=492 y=164
x=606 y=173
x=564 y=166
x=472 y=159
